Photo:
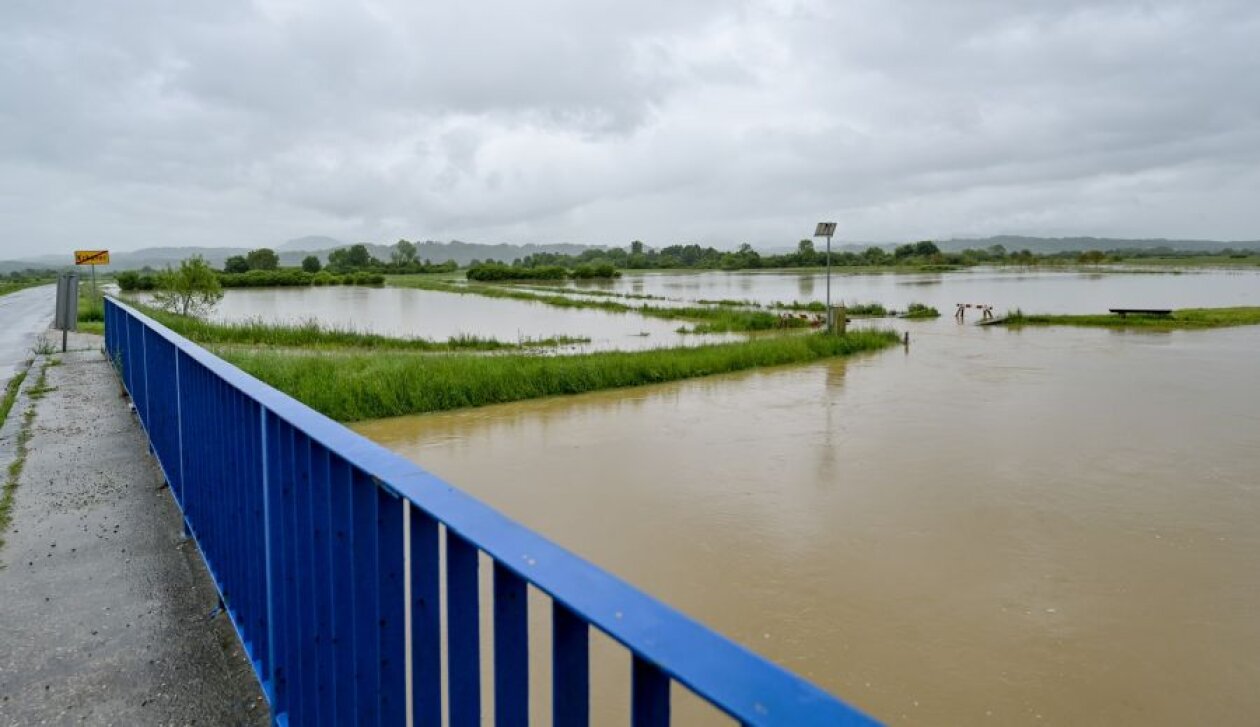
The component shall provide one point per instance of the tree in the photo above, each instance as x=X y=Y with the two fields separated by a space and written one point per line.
x=805 y=253
x=310 y=264
x=875 y=255
x=357 y=256
x=337 y=261
x=926 y=248
x=404 y=253
x=236 y=264
x=191 y=290
x=264 y=258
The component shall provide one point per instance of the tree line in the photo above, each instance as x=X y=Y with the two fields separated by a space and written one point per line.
x=352 y=259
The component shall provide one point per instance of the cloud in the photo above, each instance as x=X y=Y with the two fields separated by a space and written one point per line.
x=142 y=122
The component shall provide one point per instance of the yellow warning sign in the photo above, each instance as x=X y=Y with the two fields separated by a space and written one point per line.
x=91 y=257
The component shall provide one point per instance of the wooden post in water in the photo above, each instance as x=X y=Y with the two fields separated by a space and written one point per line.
x=837 y=320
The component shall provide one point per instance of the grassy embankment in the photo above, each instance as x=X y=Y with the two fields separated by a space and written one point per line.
x=1181 y=319
x=7 y=287
x=351 y=388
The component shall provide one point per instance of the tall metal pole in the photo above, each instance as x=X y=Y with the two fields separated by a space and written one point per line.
x=831 y=324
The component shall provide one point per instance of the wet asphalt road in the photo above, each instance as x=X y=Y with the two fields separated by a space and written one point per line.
x=22 y=316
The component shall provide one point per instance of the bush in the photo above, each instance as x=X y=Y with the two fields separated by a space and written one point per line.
x=919 y=310
x=866 y=309
x=130 y=280
x=490 y=272
x=265 y=278
x=595 y=271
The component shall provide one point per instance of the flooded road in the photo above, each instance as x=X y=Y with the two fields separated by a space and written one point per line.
x=1048 y=526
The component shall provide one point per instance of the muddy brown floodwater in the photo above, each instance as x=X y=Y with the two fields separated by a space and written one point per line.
x=1053 y=526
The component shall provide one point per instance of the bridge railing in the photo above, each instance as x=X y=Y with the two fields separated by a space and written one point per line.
x=311 y=531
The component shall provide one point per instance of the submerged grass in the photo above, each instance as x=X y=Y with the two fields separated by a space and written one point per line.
x=1181 y=319
x=707 y=320
x=312 y=334
x=352 y=388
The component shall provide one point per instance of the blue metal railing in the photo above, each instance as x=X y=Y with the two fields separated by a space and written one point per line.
x=301 y=524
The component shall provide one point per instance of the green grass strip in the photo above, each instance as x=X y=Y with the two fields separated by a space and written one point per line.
x=1181 y=319
x=353 y=388
x=19 y=461
x=10 y=395
x=8 y=287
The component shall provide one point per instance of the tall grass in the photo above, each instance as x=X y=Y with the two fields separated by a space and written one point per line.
x=356 y=387
x=920 y=310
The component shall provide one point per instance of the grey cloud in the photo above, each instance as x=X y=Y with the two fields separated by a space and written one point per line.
x=138 y=123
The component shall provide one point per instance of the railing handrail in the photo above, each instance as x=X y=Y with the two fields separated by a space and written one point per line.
x=741 y=683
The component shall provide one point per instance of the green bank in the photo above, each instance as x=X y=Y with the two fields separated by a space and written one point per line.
x=1181 y=319
x=357 y=387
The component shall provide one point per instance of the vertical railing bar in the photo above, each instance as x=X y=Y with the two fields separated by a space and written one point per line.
x=341 y=529
x=392 y=609
x=463 y=631
x=649 y=698
x=269 y=577
x=511 y=648
x=426 y=636
x=570 y=667
x=179 y=427
x=306 y=606
x=363 y=505
x=144 y=345
x=297 y=661
x=321 y=573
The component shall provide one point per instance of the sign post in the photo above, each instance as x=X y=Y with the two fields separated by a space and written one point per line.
x=827 y=229
x=67 y=318
x=92 y=258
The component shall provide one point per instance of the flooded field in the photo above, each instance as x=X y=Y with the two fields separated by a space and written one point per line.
x=1046 y=526
x=1034 y=291
x=428 y=314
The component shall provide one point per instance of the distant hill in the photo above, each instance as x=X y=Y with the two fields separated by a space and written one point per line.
x=155 y=257
x=310 y=242
x=292 y=252
x=1039 y=245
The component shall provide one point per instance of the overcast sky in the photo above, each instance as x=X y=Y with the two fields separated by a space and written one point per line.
x=136 y=123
